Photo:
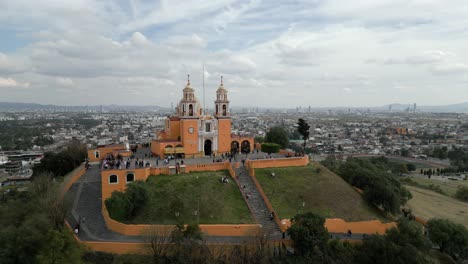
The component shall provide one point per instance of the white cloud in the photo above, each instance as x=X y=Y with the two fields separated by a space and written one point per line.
x=11 y=83
x=296 y=52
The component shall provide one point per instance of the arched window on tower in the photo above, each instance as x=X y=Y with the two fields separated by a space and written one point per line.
x=183 y=109
x=224 y=110
x=217 y=110
x=190 y=109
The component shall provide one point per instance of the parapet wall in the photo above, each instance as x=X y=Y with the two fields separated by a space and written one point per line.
x=276 y=163
x=165 y=230
x=283 y=162
x=72 y=178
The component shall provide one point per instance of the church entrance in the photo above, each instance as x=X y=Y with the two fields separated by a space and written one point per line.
x=234 y=147
x=208 y=144
x=245 y=146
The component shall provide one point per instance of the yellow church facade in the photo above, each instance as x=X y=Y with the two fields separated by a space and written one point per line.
x=192 y=132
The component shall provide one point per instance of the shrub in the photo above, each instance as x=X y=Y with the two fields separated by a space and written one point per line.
x=462 y=193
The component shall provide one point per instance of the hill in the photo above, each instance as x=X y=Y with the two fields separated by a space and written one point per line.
x=316 y=189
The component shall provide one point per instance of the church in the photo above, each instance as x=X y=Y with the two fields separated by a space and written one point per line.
x=193 y=132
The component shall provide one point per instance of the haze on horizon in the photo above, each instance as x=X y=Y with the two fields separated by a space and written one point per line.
x=271 y=53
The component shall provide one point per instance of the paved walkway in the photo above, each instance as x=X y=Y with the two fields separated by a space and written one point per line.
x=258 y=206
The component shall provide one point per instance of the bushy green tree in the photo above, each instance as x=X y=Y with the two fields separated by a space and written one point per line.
x=451 y=238
x=124 y=205
x=278 y=135
x=304 y=129
x=270 y=148
x=404 y=244
x=308 y=233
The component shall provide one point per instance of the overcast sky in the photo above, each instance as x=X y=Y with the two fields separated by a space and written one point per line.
x=271 y=53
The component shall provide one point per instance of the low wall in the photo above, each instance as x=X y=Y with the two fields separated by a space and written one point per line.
x=282 y=162
x=209 y=230
x=216 y=166
x=72 y=178
x=337 y=225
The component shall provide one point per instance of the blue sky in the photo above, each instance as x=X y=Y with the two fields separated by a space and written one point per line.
x=288 y=53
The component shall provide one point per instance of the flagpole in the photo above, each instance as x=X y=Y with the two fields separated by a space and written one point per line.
x=203 y=74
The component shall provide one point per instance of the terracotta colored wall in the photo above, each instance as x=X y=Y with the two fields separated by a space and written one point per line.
x=157 y=148
x=107 y=188
x=116 y=247
x=72 y=178
x=274 y=163
x=190 y=141
x=224 y=135
x=337 y=225
x=217 y=166
x=210 y=230
x=174 y=127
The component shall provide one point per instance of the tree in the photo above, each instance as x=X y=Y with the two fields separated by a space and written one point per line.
x=270 y=148
x=410 y=167
x=462 y=193
x=451 y=238
x=278 y=135
x=404 y=244
x=259 y=139
x=59 y=247
x=124 y=205
x=156 y=242
x=404 y=152
x=308 y=233
x=303 y=128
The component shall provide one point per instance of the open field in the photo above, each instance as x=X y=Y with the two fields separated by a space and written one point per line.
x=449 y=187
x=216 y=202
x=324 y=193
x=419 y=165
x=428 y=204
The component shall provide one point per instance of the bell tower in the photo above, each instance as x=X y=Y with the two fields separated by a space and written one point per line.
x=221 y=103
x=189 y=112
x=224 y=119
x=189 y=105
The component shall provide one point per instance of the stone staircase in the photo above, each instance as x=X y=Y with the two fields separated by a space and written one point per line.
x=257 y=204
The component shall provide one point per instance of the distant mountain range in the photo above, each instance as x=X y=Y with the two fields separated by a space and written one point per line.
x=9 y=106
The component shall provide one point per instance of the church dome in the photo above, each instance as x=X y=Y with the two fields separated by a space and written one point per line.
x=188 y=88
x=221 y=88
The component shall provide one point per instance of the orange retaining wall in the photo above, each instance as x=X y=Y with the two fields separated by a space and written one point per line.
x=75 y=175
x=210 y=230
x=337 y=225
x=282 y=162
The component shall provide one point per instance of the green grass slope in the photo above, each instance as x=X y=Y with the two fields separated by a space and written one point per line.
x=198 y=197
x=302 y=189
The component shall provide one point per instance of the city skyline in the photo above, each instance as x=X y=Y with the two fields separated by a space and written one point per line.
x=319 y=53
